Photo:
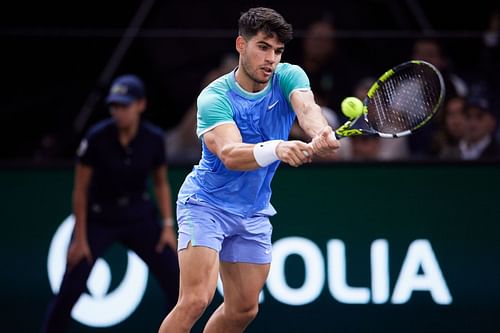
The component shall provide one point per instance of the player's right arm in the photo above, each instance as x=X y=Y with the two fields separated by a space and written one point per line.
x=216 y=126
x=79 y=248
x=225 y=141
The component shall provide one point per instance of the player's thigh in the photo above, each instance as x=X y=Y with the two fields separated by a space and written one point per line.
x=199 y=268
x=199 y=226
x=242 y=283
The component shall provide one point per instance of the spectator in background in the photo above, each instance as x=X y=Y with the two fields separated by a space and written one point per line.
x=452 y=122
x=329 y=78
x=365 y=148
x=490 y=61
x=491 y=38
x=430 y=50
x=479 y=142
x=330 y=75
x=183 y=145
x=111 y=202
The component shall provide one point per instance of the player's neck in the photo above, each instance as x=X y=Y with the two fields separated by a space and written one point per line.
x=246 y=83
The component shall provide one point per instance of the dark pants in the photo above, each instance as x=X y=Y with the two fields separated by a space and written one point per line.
x=141 y=238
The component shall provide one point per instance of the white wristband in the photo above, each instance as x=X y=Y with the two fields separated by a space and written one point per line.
x=265 y=152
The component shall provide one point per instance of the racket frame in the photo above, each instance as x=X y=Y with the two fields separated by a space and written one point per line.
x=347 y=128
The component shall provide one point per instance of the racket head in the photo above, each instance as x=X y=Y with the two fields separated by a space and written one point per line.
x=403 y=99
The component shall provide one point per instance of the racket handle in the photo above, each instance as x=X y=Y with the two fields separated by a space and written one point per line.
x=334 y=137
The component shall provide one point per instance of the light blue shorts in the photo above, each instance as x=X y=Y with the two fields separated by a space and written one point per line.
x=236 y=239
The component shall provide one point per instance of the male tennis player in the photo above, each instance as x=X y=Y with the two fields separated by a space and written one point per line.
x=223 y=207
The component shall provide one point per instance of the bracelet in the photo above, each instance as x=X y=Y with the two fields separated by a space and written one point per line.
x=265 y=152
x=168 y=222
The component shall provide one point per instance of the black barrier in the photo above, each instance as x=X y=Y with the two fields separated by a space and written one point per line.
x=357 y=248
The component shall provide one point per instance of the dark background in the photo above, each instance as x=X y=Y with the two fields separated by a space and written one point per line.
x=53 y=52
x=51 y=56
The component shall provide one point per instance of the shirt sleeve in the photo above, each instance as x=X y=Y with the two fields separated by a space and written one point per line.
x=86 y=152
x=292 y=78
x=213 y=110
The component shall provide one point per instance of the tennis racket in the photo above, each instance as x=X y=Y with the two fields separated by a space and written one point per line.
x=401 y=101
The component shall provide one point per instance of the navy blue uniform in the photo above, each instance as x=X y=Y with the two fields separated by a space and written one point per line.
x=119 y=210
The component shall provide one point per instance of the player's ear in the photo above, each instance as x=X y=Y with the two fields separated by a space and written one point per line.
x=240 y=44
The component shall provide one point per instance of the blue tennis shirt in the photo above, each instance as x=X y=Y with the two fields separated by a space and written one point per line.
x=261 y=116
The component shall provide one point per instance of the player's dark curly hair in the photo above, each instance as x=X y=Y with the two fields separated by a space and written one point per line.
x=266 y=20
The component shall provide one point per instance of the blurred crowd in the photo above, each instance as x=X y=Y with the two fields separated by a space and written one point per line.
x=466 y=128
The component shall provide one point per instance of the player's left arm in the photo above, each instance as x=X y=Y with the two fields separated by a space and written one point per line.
x=309 y=115
x=312 y=121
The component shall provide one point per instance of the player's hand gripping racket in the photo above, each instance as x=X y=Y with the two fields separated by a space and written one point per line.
x=402 y=100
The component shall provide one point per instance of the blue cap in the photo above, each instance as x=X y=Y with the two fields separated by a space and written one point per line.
x=126 y=89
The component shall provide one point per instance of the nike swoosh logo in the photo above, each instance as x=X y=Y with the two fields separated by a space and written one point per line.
x=272 y=105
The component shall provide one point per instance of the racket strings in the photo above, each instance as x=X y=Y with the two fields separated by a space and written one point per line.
x=405 y=100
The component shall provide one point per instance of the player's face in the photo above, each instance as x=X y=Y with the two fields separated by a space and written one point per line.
x=259 y=56
x=127 y=116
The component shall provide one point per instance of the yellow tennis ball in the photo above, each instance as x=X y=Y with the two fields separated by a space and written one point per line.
x=351 y=107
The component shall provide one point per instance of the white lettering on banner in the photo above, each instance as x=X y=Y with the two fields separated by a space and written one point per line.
x=99 y=308
x=420 y=271
x=379 y=264
x=337 y=276
x=313 y=264
x=419 y=255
